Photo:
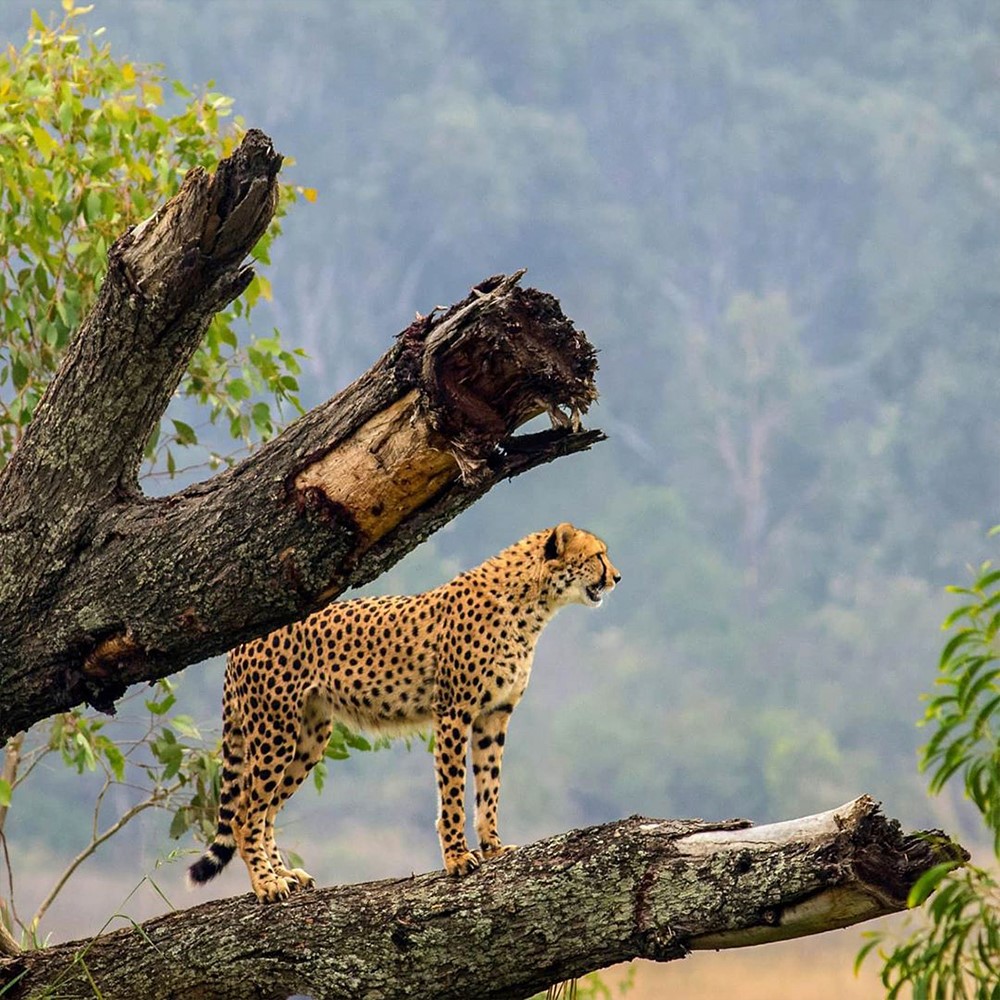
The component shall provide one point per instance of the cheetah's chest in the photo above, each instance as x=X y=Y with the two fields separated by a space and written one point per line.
x=503 y=673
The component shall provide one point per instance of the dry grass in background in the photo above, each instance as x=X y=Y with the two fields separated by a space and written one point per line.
x=819 y=968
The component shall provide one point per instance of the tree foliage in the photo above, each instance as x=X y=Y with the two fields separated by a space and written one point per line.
x=87 y=149
x=966 y=715
x=957 y=951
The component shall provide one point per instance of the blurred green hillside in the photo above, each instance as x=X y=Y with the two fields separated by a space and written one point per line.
x=780 y=223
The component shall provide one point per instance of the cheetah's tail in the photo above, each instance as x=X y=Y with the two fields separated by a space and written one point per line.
x=211 y=862
x=223 y=846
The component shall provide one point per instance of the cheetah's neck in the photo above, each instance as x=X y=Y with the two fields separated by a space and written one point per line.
x=519 y=579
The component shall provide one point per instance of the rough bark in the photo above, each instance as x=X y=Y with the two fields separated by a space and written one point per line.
x=638 y=888
x=101 y=587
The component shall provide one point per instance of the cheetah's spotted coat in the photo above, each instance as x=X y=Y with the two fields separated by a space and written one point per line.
x=456 y=658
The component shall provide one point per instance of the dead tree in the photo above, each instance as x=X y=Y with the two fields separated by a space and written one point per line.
x=638 y=888
x=102 y=587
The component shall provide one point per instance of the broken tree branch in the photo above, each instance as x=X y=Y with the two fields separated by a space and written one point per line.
x=101 y=587
x=638 y=888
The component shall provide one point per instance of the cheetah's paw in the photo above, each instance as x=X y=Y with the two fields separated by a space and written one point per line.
x=461 y=863
x=490 y=851
x=272 y=890
x=297 y=878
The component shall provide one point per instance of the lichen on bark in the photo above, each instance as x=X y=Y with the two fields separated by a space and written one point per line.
x=636 y=888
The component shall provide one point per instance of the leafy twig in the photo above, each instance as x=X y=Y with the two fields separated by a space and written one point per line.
x=155 y=799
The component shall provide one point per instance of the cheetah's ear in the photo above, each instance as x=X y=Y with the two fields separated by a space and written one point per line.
x=555 y=544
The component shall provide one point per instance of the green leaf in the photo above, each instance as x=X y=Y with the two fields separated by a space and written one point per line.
x=960 y=612
x=161 y=707
x=19 y=373
x=875 y=938
x=184 y=433
x=238 y=389
x=955 y=758
x=115 y=759
x=45 y=143
x=319 y=776
x=228 y=336
x=66 y=115
x=929 y=881
x=35 y=90
x=957 y=641
x=92 y=205
x=84 y=757
x=356 y=742
x=986 y=713
x=4 y=792
x=184 y=724
x=261 y=414
x=178 y=825
x=171 y=756
x=971 y=692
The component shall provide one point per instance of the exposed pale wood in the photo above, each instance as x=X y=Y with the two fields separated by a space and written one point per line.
x=565 y=906
x=835 y=906
x=389 y=465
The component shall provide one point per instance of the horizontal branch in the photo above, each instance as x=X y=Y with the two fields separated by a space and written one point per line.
x=638 y=888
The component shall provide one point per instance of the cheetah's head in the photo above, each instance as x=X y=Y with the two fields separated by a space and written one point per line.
x=578 y=566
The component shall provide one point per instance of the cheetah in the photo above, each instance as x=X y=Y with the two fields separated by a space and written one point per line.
x=453 y=659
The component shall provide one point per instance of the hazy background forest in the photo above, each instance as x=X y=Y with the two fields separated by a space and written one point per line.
x=779 y=223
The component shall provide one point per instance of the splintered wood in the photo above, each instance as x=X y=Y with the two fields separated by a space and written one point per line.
x=467 y=379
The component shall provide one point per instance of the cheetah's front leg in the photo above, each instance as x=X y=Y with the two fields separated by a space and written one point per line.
x=451 y=729
x=488 y=737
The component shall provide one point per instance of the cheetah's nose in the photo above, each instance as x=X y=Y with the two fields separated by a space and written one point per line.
x=616 y=576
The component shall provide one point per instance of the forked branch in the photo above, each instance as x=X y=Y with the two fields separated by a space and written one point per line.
x=101 y=587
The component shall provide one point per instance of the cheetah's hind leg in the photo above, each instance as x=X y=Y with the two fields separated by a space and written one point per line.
x=316 y=725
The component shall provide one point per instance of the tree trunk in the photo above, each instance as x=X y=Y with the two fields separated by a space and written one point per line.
x=638 y=888
x=102 y=587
